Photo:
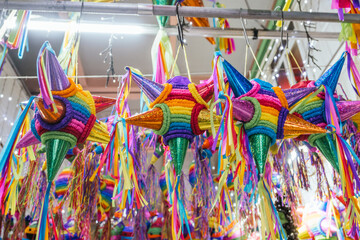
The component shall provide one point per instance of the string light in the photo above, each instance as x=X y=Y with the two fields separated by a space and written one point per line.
x=10 y=98
x=1 y=95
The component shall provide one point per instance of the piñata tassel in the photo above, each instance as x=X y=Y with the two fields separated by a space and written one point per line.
x=179 y=216
x=269 y=215
x=43 y=223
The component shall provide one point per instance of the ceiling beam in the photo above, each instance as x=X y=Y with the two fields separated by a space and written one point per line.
x=165 y=10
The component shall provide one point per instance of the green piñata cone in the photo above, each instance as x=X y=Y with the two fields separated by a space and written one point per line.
x=260 y=145
x=178 y=147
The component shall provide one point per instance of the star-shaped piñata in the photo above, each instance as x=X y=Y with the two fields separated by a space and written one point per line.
x=179 y=112
x=265 y=111
x=314 y=110
x=64 y=117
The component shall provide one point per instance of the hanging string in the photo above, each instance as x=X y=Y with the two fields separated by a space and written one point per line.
x=182 y=41
x=174 y=64
x=296 y=62
x=248 y=44
x=246 y=53
x=187 y=64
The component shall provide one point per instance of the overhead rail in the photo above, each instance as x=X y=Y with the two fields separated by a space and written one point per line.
x=161 y=10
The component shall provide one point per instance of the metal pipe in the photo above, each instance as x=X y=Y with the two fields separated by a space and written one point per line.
x=224 y=33
x=149 y=9
x=261 y=34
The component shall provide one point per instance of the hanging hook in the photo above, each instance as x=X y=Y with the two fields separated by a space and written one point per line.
x=180 y=25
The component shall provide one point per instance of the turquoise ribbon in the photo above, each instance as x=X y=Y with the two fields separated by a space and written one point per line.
x=10 y=143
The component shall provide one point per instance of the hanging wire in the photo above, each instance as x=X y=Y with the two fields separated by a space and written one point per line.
x=310 y=39
x=109 y=57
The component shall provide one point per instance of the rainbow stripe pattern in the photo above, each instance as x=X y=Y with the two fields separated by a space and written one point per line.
x=62 y=183
x=107 y=184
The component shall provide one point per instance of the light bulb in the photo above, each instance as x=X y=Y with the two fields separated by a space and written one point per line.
x=10 y=98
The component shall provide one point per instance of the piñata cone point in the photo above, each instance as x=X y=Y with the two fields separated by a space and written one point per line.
x=294 y=95
x=152 y=119
x=56 y=150
x=324 y=146
x=348 y=109
x=99 y=133
x=296 y=126
x=27 y=140
x=102 y=103
x=238 y=83
x=331 y=77
x=178 y=147
x=151 y=89
x=57 y=79
x=260 y=145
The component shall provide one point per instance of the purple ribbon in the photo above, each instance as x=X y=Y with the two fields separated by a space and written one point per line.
x=281 y=121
